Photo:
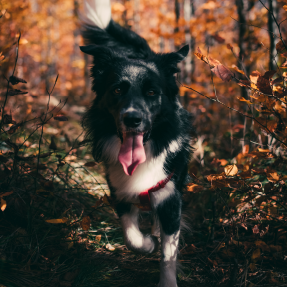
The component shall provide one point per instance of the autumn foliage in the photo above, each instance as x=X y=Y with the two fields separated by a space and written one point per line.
x=56 y=213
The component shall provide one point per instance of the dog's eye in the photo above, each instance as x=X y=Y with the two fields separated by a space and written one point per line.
x=117 y=91
x=151 y=93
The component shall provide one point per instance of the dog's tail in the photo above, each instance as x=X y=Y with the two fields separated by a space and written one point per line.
x=100 y=29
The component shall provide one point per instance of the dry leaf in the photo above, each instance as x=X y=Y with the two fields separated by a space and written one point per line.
x=256 y=254
x=252 y=266
x=99 y=237
x=3 y=204
x=231 y=170
x=223 y=73
x=110 y=247
x=60 y=220
x=273 y=176
x=86 y=223
x=241 y=99
x=194 y=188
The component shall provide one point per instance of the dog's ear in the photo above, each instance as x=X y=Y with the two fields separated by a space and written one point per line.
x=102 y=55
x=169 y=61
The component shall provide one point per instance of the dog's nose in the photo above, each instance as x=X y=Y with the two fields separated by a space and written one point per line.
x=132 y=119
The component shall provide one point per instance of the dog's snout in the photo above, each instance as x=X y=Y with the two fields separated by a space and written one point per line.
x=132 y=119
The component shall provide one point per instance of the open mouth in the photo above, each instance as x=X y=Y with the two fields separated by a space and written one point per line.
x=132 y=151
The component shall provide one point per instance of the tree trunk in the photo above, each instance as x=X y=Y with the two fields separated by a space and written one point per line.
x=273 y=8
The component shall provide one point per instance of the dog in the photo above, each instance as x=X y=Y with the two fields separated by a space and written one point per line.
x=140 y=132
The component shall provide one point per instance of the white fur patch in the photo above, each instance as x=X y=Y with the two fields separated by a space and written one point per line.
x=97 y=13
x=134 y=238
x=144 y=177
x=169 y=245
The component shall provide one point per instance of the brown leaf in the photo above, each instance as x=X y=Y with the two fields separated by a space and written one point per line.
x=273 y=176
x=60 y=118
x=14 y=92
x=86 y=223
x=263 y=85
x=99 y=237
x=218 y=39
x=98 y=203
x=223 y=73
x=244 y=83
x=15 y=80
x=256 y=254
x=7 y=119
x=269 y=74
x=262 y=245
x=56 y=221
x=90 y=164
x=270 y=124
x=280 y=46
x=231 y=170
x=245 y=174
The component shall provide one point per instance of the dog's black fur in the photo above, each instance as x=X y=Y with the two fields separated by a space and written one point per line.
x=128 y=75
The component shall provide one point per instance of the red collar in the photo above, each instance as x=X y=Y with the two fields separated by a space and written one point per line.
x=144 y=196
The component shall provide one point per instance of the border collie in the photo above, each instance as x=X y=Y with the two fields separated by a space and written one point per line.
x=139 y=130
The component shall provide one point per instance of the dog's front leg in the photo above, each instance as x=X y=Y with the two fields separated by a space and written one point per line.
x=134 y=239
x=169 y=215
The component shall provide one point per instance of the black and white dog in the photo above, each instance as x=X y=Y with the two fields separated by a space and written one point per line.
x=139 y=131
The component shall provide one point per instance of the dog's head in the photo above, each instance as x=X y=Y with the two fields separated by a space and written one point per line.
x=133 y=91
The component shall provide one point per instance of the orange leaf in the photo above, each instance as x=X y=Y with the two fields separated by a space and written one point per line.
x=3 y=204
x=241 y=99
x=6 y=193
x=56 y=221
x=194 y=188
x=273 y=176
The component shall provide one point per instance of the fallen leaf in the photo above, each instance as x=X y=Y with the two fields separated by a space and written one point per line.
x=273 y=176
x=231 y=170
x=99 y=237
x=194 y=187
x=110 y=247
x=60 y=220
x=86 y=223
x=256 y=254
x=252 y=266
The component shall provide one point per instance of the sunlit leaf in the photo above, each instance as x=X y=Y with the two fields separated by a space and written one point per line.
x=194 y=187
x=231 y=170
x=110 y=247
x=3 y=204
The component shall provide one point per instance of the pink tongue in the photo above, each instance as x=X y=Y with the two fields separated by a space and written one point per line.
x=132 y=152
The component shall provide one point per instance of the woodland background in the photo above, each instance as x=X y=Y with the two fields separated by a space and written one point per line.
x=57 y=224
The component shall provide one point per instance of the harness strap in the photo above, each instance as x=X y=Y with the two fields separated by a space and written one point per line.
x=144 y=196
